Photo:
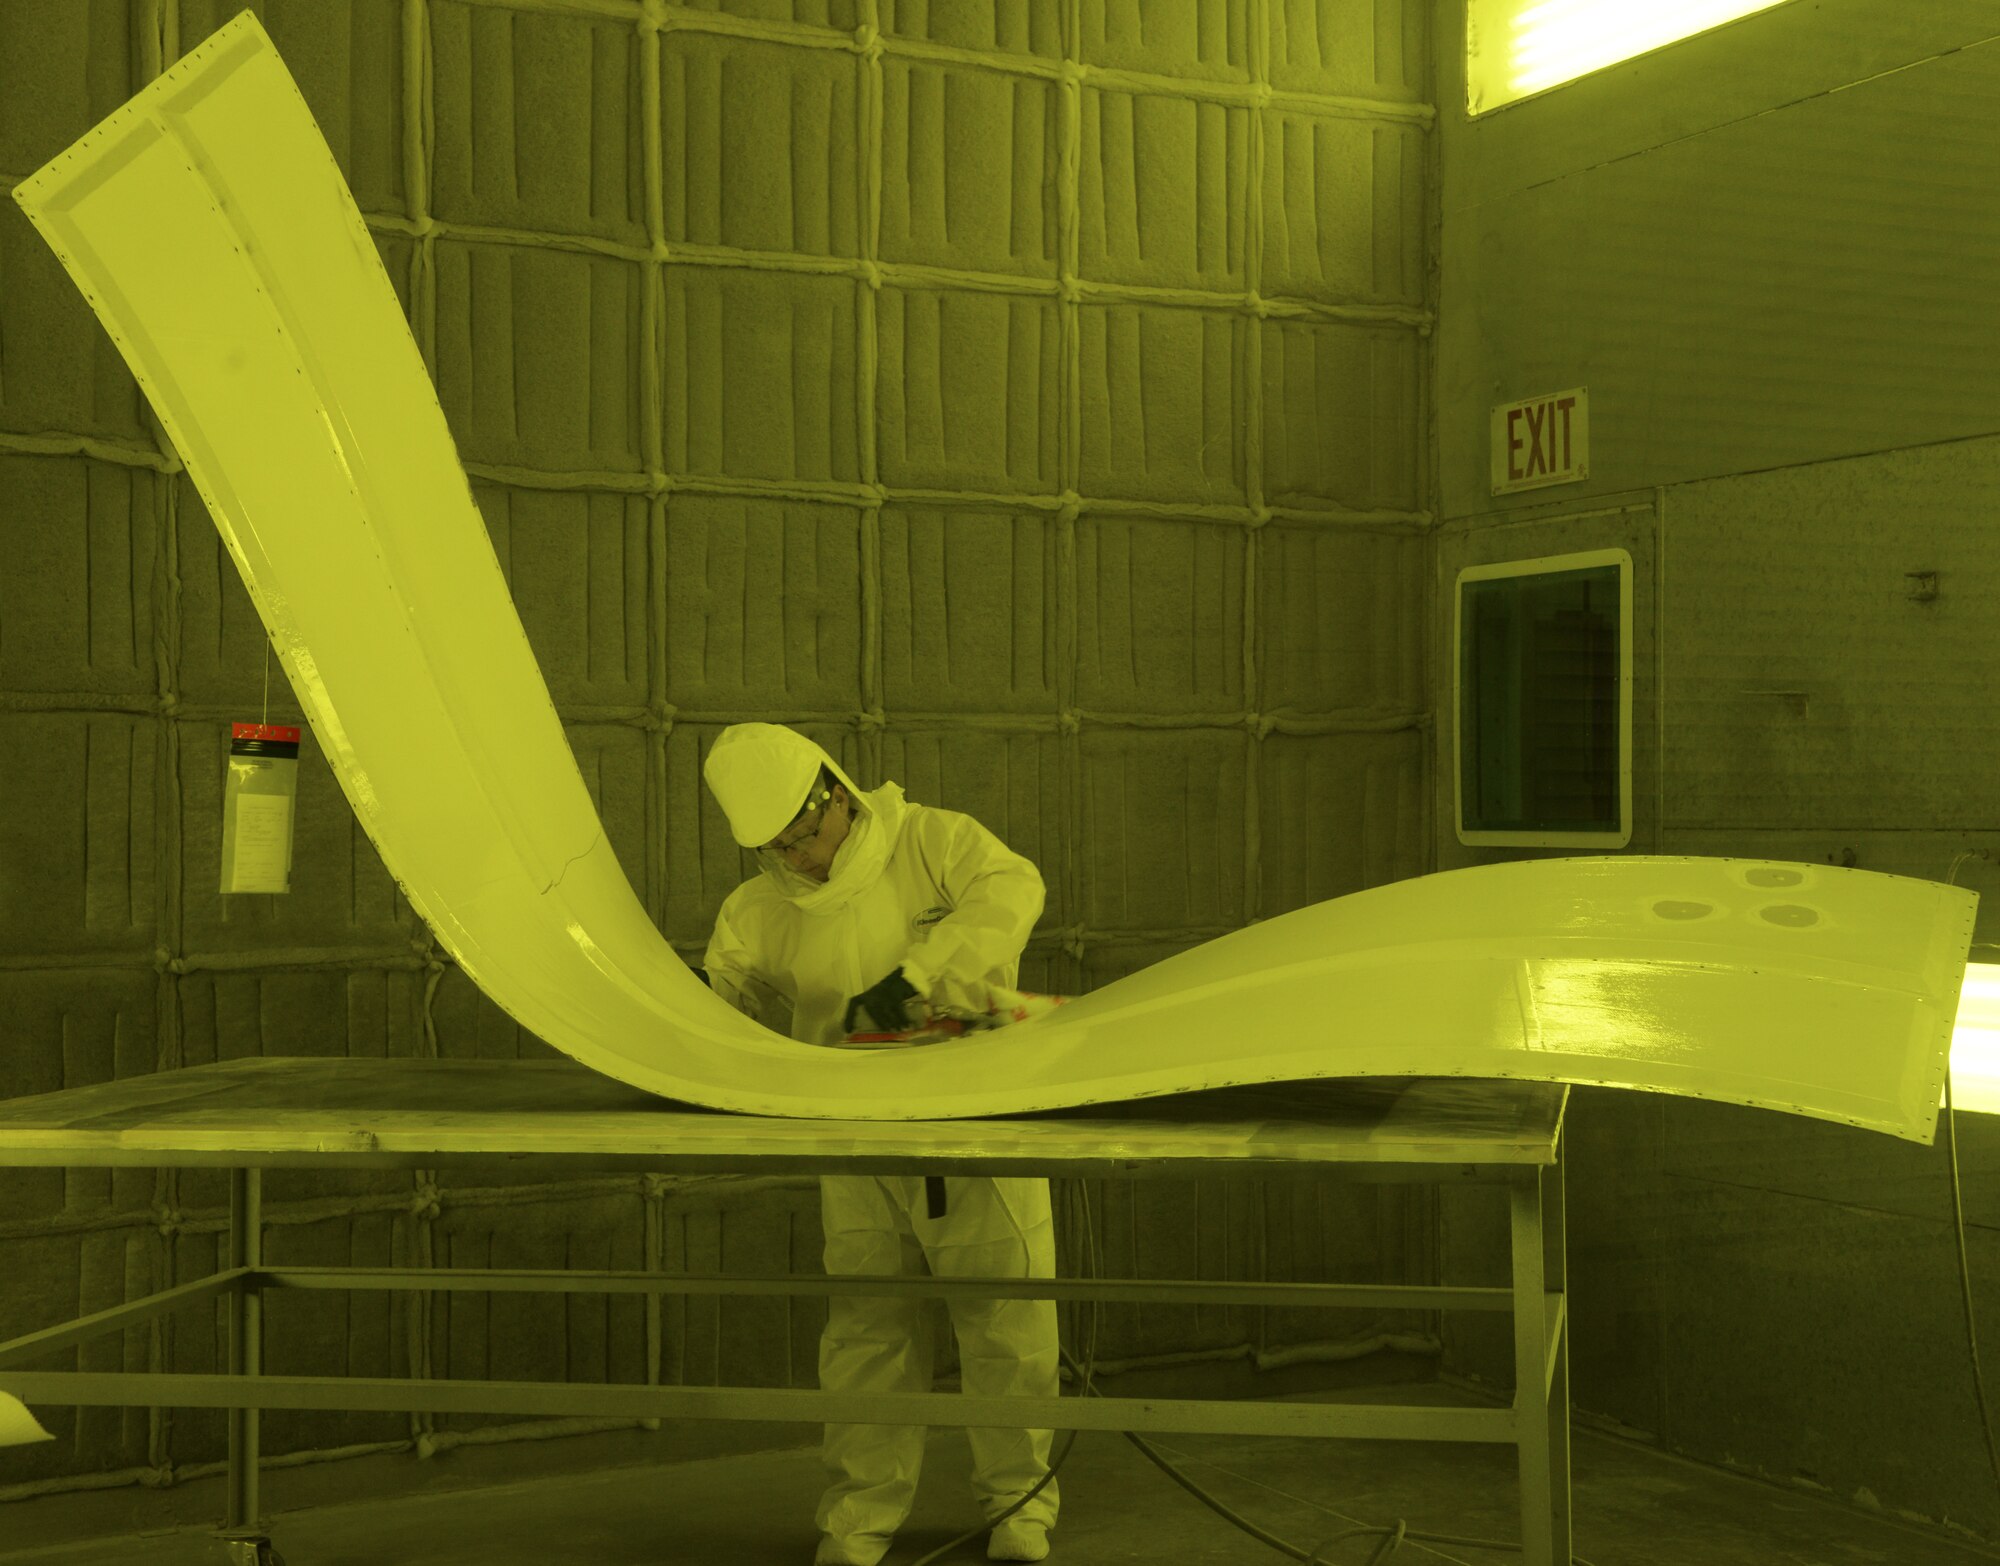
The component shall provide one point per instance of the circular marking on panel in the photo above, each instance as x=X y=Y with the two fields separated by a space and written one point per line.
x=1668 y=908
x=1791 y=915
x=1773 y=875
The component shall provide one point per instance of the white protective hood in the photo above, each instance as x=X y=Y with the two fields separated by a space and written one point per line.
x=760 y=774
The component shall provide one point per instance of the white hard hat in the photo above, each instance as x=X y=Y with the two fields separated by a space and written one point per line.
x=760 y=773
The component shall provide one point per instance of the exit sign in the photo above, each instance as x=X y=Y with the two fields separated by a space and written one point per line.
x=1541 y=440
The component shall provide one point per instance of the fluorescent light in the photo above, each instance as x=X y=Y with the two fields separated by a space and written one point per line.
x=1975 y=1041
x=1517 y=47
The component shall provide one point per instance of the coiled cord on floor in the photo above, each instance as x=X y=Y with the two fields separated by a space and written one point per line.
x=1393 y=1535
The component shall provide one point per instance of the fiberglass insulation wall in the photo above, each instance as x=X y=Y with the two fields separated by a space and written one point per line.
x=1021 y=399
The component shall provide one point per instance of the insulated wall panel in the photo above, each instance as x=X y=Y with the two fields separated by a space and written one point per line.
x=68 y=65
x=966 y=159
x=840 y=14
x=1201 y=39
x=523 y=1336
x=1340 y=409
x=1378 y=48
x=1343 y=209
x=58 y=1277
x=79 y=793
x=1141 y=218
x=1031 y=27
x=760 y=375
x=369 y=1336
x=324 y=1011
x=521 y=103
x=74 y=66
x=537 y=356
x=1162 y=394
x=969 y=391
x=759 y=145
x=767 y=1226
x=1160 y=611
x=969 y=611
x=759 y=601
x=81 y=541
x=333 y=1333
x=1145 y=791
x=1362 y=782
x=104 y=1029
x=1011 y=783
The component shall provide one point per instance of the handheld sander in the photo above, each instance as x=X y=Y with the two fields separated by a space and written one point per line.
x=1003 y=1007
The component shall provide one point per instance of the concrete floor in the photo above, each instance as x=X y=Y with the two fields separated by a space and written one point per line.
x=1633 y=1507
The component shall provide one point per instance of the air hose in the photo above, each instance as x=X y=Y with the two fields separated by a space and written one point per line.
x=1393 y=1535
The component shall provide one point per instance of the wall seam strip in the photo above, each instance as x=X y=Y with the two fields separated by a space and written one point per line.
x=1258 y=45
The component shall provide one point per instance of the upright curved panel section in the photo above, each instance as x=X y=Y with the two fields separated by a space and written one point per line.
x=208 y=225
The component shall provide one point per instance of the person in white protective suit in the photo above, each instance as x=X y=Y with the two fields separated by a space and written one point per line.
x=869 y=909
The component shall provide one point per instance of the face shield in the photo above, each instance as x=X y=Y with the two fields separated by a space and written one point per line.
x=793 y=848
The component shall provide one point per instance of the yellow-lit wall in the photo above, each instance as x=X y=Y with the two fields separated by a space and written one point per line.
x=1048 y=442
x=1767 y=253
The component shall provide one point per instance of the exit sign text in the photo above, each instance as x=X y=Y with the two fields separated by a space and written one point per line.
x=1541 y=440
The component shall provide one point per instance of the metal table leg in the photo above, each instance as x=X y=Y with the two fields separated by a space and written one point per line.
x=1554 y=1222
x=1543 y=1367
x=1532 y=1314
x=246 y=1343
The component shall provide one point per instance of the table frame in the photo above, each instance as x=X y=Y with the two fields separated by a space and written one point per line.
x=1536 y=1424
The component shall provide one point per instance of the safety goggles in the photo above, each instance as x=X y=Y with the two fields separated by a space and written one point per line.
x=801 y=832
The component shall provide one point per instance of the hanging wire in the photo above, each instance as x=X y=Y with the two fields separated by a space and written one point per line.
x=1958 y=1225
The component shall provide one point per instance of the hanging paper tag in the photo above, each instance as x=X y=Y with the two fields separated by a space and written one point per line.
x=257 y=808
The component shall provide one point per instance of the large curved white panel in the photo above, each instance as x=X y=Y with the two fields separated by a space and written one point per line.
x=208 y=225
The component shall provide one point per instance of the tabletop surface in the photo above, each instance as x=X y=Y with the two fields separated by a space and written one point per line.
x=325 y=1111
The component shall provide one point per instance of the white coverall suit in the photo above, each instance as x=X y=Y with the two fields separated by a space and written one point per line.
x=935 y=893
